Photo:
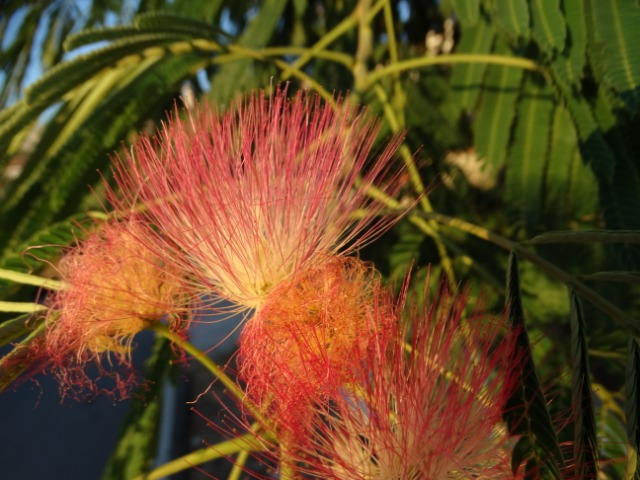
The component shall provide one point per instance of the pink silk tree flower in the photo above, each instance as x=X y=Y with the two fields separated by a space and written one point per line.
x=248 y=197
x=429 y=408
x=299 y=347
x=115 y=288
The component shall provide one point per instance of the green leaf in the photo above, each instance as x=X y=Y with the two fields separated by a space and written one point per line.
x=581 y=198
x=574 y=59
x=618 y=36
x=618 y=202
x=66 y=76
x=585 y=445
x=99 y=34
x=525 y=452
x=467 y=11
x=206 y=10
x=528 y=155
x=233 y=77
x=87 y=149
x=632 y=405
x=46 y=244
x=16 y=49
x=11 y=330
x=8 y=114
x=512 y=17
x=492 y=128
x=525 y=411
x=521 y=452
x=160 y=21
x=595 y=150
x=14 y=363
x=53 y=135
x=620 y=196
x=137 y=447
x=611 y=432
x=548 y=26
x=570 y=186
x=156 y=22
x=12 y=121
x=626 y=180
x=467 y=78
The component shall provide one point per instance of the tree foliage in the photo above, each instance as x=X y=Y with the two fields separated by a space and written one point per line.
x=523 y=117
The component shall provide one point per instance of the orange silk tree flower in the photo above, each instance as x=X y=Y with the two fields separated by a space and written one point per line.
x=300 y=346
x=115 y=288
x=427 y=408
x=247 y=198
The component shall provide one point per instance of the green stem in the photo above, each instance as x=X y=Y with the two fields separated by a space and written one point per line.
x=263 y=54
x=552 y=270
x=344 y=59
x=413 y=63
x=287 y=470
x=21 y=307
x=238 y=466
x=412 y=169
x=245 y=443
x=428 y=227
x=620 y=357
x=310 y=81
x=399 y=97
x=28 y=279
x=343 y=27
x=282 y=65
x=233 y=53
x=242 y=52
x=364 y=48
x=391 y=33
x=593 y=297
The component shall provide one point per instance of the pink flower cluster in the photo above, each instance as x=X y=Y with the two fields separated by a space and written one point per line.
x=260 y=205
x=425 y=403
x=115 y=288
x=247 y=198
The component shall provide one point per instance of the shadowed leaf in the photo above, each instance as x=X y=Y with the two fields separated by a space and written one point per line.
x=596 y=236
x=14 y=363
x=526 y=411
x=585 y=445
x=632 y=407
x=548 y=26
